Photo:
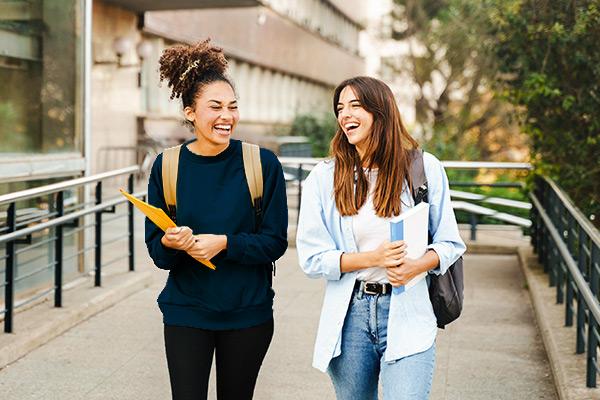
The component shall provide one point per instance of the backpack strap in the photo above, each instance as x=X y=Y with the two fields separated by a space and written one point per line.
x=253 y=170
x=418 y=179
x=170 y=167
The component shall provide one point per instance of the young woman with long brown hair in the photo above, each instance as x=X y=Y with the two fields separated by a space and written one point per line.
x=226 y=314
x=367 y=332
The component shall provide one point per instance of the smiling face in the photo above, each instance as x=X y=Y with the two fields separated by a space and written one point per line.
x=355 y=121
x=214 y=115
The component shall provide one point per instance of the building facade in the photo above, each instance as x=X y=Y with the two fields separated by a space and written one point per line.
x=285 y=57
x=79 y=80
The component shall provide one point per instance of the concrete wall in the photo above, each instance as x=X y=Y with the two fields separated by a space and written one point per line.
x=277 y=43
x=268 y=99
x=279 y=68
x=116 y=97
x=356 y=10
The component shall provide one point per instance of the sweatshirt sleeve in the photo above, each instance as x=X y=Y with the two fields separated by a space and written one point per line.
x=270 y=242
x=163 y=257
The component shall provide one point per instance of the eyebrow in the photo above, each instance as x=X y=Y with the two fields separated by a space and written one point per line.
x=351 y=101
x=218 y=102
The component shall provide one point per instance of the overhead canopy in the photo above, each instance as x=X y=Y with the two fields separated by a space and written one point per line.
x=141 y=6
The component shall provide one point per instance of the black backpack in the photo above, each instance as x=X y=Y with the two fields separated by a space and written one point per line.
x=445 y=291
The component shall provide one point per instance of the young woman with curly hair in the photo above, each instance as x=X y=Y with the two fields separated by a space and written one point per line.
x=227 y=312
x=368 y=333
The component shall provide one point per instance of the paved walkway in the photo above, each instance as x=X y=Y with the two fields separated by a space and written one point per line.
x=493 y=352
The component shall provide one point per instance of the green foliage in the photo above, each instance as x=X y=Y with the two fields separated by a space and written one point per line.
x=453 y=67
x=549 y=56
x=318 y=128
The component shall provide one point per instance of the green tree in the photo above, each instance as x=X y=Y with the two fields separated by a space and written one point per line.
x=549 y=56
x=318 y=128
x=453 y=67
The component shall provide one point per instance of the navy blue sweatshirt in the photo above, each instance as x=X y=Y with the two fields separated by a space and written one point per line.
x=213 y=198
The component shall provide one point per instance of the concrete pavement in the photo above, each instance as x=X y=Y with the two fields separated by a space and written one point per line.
x=493 y=352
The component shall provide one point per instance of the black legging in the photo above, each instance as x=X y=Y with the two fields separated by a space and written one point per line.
x=239 y=355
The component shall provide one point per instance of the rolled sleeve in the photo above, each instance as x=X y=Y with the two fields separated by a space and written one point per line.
x=446 y=240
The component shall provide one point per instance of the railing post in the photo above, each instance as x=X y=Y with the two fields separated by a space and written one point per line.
x=560 y=278
x=581 y=259
x=552 y=249
x=546 y=254
x=58 y=251
x=9 y=289
x=98 y=238
x=542 y=246
x=592 y=341
x=591 y=354
x=130 y=220
x=550 y=260
x=473 y=222
x=533 y=229
x=580 y=344
x=299 y=191
x=571 y=236
x=569 y=307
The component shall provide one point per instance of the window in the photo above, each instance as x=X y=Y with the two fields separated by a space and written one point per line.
x=40 y=59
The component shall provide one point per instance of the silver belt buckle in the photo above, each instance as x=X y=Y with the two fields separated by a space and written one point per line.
x=366 y=290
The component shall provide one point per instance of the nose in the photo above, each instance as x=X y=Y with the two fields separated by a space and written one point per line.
x=342 y=113
x=226 y=115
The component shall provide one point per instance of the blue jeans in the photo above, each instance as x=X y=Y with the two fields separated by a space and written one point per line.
x=355 y=373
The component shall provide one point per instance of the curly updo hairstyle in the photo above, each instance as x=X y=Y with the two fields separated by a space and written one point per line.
x=187 y=69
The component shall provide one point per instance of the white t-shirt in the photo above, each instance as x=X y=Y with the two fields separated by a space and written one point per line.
x=370 y=231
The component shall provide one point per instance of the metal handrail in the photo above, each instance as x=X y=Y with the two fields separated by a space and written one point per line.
x=55 y=187
x=446 y=164
x=301 y=165
x=567 y=246
x=485 y=165
x=587 y=226
x=59 y=220
x=590 y=300
x=66 y=218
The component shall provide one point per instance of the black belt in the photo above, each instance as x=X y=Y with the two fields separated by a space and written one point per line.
x=373 y=287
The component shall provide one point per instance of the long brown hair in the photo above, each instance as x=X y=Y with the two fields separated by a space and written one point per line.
x=388 y=148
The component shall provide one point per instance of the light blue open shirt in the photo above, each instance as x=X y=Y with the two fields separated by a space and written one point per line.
x=323 y=235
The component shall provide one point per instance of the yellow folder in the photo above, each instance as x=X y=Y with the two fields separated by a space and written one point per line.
x=158 y=216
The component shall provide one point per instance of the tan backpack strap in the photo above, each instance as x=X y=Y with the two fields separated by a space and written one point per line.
x=170 y=166
x=253 y=170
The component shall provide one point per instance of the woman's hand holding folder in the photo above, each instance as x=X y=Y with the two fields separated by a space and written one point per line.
x=175 y=237
x=182 y=238
x=207 y=246
x=179 y=238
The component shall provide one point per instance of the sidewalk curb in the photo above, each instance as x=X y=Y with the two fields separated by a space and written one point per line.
x=539 y=307
x=25 y=342
x=478 y=248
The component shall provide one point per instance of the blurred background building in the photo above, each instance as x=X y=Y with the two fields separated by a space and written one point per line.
x=79 y=79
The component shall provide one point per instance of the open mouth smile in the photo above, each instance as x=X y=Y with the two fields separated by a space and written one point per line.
x=223 y=129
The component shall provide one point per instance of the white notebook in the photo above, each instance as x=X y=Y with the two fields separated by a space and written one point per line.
x=412 y=227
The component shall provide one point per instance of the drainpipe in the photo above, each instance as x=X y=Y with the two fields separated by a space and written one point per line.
x=85 y=238
x=87 y=86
